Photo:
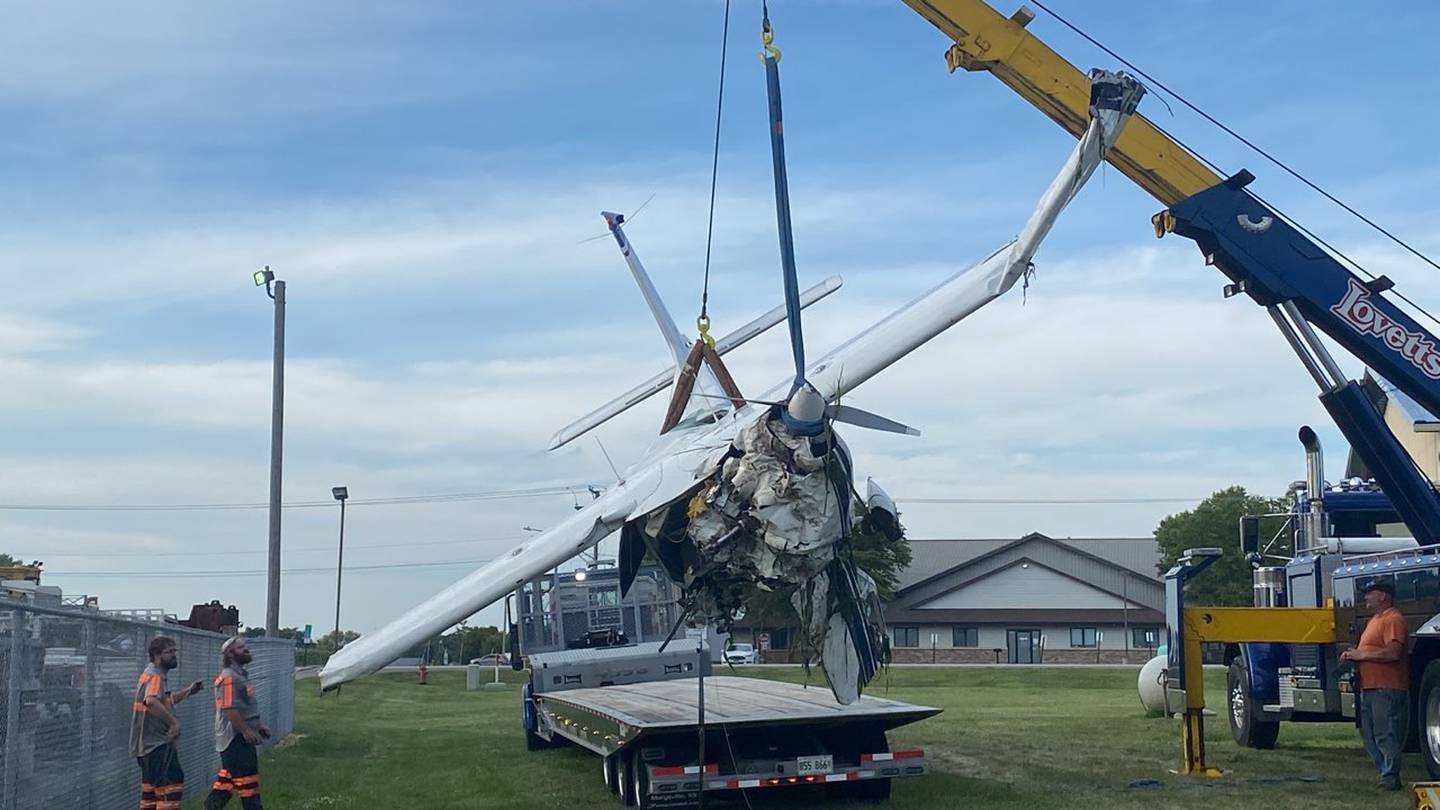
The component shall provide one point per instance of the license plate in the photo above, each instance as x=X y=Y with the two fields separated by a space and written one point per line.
x=817 y=764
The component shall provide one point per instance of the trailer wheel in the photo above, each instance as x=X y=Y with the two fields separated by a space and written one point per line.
x=610 y=766
x=1248 y=730
x=628 y=779
x=534 y=742
x=1430 y=718
x=641 y=779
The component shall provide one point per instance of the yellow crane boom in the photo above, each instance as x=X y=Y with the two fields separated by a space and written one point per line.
x=985 y=40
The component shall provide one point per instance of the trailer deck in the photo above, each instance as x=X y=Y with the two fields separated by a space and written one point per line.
x=633 y=710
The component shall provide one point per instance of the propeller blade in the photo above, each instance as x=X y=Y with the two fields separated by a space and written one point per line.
x=782 y=216
x=854 y=416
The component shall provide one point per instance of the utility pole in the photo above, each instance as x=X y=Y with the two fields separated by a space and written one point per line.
x=276 y=290
x=340 y=494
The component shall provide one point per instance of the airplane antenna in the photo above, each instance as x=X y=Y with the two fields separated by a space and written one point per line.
x=607 y=461
x=627 y=220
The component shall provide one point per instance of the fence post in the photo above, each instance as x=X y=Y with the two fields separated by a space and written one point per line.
x=12 y=704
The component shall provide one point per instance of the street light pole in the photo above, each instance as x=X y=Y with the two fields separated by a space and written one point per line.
x=276 y=290
x=340 y=493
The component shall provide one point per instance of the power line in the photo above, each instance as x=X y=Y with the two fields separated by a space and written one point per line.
x=1237 y=136
x=1022 y=501
x=1294 y=223
x=254 y=573
x=161 y=553
x=487 y=495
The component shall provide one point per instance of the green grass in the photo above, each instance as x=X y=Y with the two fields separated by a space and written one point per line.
x=1009 y=738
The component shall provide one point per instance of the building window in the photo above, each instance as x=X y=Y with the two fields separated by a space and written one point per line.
x=780 y=638
x=907 y=636
x=1083 y=637
x=966 y=637
x=1145 y=638
x=608 y=597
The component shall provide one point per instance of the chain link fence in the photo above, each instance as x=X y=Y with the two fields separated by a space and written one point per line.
x=67 y=683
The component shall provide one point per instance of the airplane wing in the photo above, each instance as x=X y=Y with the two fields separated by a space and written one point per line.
x=487 y=584
x=676 y=465
x=910 y=326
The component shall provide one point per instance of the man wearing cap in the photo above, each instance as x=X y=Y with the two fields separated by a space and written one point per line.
x=238 y=730
x=1384 y=681
x=154 y=728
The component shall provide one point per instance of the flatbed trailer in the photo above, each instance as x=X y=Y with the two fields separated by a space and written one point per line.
x=759 y=734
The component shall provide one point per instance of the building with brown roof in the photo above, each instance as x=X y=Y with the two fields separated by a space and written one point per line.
x=1031 y=600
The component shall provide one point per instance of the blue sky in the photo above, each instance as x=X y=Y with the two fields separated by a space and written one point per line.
x=426 y=181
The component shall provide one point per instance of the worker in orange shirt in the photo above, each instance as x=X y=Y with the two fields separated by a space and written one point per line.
x=154 y=728
x=1380 y=659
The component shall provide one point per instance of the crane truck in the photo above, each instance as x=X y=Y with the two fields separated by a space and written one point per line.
x=1282 y=654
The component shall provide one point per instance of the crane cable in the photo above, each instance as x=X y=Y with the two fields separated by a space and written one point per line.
x=1289 y=219
x=702 y=323
x=1237 y=136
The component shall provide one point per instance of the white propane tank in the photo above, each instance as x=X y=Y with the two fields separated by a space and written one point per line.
x=1152 y=687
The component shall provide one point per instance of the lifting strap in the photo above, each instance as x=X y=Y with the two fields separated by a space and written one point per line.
x=701 y=351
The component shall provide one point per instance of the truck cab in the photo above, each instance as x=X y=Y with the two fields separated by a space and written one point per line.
x=1340 y=537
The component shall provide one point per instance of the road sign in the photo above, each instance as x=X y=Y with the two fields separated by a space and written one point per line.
x=308 y=630
x=764 y=641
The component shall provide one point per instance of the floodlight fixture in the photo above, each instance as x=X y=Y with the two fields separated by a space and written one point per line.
x=340 y=493
x=263 y=278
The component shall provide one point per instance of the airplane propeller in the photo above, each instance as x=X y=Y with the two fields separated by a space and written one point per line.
x=805 y=409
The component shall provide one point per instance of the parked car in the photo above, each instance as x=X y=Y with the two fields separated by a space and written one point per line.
x=742 y=654
x=492 y=659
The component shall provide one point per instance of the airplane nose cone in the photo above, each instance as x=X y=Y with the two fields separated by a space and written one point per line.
x=806 y=405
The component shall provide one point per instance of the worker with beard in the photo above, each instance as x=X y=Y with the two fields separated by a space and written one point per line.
x=238 y=730
x=154 y=728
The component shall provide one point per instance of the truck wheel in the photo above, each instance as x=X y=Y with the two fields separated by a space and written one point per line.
x=534 y=742
x=1430 y=719
x=611 y=768
x=1248 y=730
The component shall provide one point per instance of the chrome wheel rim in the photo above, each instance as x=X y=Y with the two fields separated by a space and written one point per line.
x=1237 y=704
x=1432 y=723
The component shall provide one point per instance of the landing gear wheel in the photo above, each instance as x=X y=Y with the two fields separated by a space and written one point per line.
x=1430 y=719
x=1248 y=730
x=610 y=767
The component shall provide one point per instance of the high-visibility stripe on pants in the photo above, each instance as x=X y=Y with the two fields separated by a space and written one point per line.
x=223 y=782
x=247 y=786
x=169 y=797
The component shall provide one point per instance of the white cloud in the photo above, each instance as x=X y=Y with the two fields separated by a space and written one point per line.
x=22 y=334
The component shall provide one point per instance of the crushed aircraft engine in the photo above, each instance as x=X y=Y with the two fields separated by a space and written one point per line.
x=775 y=517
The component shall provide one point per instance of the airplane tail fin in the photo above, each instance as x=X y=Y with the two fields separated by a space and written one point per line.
x=679 y=346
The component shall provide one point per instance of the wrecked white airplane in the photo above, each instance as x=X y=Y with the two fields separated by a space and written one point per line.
x=738 y=493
